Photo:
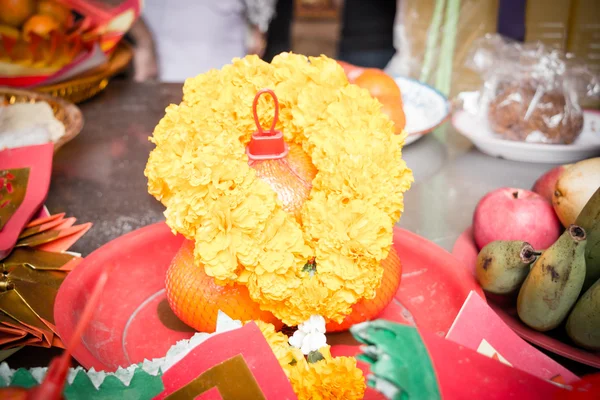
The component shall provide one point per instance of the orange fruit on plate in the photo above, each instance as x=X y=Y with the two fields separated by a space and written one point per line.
x=384 y=88
x=57 y=11
x=41 y=25
x=378 y=83
x=196 y=298
x=291 y=178
x=392 y=106
x=366 y=310
x=15 y=12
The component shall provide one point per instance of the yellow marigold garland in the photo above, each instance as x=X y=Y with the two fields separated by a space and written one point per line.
x=330 y=378
x=199 y=170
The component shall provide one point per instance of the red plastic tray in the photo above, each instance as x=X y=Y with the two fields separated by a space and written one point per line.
x=133 y=321
x=557 y=342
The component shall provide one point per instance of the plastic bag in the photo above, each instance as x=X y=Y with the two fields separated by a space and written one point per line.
x=433 y=37
x=530 y=92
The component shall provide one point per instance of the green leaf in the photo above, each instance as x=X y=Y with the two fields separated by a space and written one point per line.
x=315 y=356
x=310 y=266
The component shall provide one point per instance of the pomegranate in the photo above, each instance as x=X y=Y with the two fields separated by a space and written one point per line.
x=515 y=214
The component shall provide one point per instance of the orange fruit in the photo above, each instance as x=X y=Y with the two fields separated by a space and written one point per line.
x=58 y=12
x=196 y=298
x=15 y=12
x=41 y=25
x=378 y=83
x=366 y=310
x=290 y=177
x=383 y=87
x=392 y=106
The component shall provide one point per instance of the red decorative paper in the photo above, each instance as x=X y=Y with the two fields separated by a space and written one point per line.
x=463 y=373
x=13 y=186
x=588 y=388
x=220 y=360
x=38 y=159
x=477 y=322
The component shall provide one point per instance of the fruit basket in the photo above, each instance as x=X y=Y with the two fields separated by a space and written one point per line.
x=535 y=255
x=87 y=85
x=68 y=48
x=556 y=342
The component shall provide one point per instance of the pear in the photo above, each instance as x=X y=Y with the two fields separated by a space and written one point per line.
x=589 y=219
x=583 y=324
x=574 y=188
x=554 y=282
x=503 y=265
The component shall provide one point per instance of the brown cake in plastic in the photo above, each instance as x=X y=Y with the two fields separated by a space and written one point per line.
x=529 y=113
x=530 y=92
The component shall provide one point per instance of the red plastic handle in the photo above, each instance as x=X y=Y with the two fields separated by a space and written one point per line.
x=275 y=119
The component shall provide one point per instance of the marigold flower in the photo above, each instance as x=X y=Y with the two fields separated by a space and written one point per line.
x=199 y=171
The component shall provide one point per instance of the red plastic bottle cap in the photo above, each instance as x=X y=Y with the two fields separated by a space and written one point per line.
x=266 y=145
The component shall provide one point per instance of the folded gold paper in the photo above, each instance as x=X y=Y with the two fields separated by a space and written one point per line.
x=30 y=280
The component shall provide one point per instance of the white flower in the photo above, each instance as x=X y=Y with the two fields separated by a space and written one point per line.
x=310 y=335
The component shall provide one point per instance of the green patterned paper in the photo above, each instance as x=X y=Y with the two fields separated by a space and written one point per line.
x=399 y=360
x=133 y=383
x=137 y=382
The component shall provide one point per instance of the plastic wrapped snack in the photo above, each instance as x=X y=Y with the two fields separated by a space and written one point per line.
x=530 y=92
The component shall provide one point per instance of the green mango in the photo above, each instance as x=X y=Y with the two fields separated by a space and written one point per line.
x=589 y=219
x=503 y=265
x=554 y=282
x=583 y=324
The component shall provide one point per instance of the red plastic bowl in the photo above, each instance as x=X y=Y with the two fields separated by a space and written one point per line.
x=466 y=250
x=133 y=321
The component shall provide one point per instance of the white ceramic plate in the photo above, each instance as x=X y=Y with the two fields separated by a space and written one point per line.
x=425 y=107
x=478 y=131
